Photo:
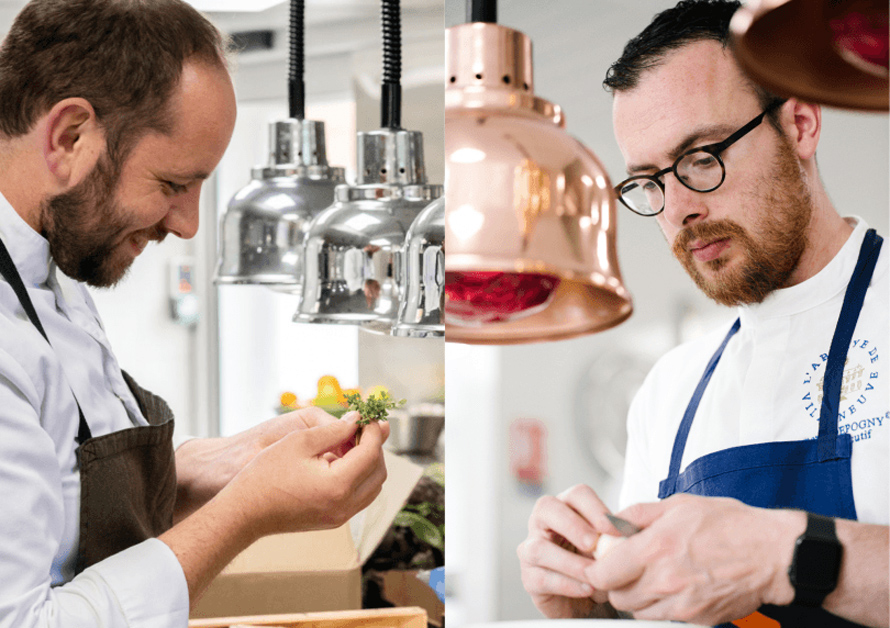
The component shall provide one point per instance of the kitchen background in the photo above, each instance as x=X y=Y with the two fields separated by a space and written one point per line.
x=223 y=363
x=533 y=419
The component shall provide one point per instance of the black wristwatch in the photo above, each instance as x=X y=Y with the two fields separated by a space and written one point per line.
x=817 y=561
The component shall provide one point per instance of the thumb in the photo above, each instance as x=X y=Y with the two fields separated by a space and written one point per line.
x=325 y=438
x=643 y=515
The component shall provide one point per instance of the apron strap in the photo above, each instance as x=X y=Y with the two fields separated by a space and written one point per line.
x=686 y=424
x=11 y=274
x=840 y=343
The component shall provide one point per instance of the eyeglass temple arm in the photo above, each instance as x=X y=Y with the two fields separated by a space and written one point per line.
x=732 y=139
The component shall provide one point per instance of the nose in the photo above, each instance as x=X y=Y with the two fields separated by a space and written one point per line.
x=183 y=218
x=682 y=206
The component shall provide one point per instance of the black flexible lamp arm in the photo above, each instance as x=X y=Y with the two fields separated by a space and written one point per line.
x=296 y=88
x=391 y=88
x=482 y=11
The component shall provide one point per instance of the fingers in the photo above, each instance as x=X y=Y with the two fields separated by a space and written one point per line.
x=370 y=485
x=273 y=430
x=614 y=571
x=619 y=568
x=571 y=515
x=327 y=438
x=314 y=416
x=544 y=582
x=558 y=551
x=587 y=503
x=644 y=515
x=543 y=557
x=363 y=468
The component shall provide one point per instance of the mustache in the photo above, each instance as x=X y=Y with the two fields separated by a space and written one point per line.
x=157 y=233
x=707 y=231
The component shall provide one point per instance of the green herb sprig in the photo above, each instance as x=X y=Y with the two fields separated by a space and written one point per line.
x=376 y=408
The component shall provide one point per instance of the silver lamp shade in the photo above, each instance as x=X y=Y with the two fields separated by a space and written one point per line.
x=353 y=249
x=262 y=232
x=423 y=272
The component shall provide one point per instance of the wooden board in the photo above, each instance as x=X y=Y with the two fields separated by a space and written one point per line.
x=405 y=617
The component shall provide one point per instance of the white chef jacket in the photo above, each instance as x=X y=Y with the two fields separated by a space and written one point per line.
x=767 y=385
x=39 y=481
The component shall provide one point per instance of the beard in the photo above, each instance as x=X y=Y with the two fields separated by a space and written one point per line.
x=770 y=253
x=86 y=228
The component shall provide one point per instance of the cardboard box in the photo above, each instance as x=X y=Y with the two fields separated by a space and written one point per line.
x=377 y=618
x=310 y=571
x=404 y=588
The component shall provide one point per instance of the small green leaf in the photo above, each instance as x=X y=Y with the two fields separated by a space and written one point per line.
x=422 y=529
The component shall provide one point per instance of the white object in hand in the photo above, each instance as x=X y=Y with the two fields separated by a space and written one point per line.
x=605 y=543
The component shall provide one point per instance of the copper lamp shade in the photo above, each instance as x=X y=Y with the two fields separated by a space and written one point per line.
x=530 y=212
x=833 y=52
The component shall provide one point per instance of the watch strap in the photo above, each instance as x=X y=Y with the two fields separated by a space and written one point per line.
x=822 y=529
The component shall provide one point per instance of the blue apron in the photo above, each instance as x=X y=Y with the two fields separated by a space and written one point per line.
x=813 y=475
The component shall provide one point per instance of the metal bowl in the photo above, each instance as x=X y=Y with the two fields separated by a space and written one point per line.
x=417 y=429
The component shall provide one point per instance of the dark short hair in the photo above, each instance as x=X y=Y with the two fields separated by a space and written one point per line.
x=125 y=57
x=688 y=22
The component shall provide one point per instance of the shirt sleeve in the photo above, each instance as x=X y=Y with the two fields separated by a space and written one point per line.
x=142 y=587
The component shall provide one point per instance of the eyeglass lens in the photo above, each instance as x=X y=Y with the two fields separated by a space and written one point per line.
x=699 y=170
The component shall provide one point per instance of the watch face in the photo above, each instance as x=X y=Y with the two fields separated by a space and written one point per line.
x=817 y=564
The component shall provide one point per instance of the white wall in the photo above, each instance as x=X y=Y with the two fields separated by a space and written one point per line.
x=574 y=42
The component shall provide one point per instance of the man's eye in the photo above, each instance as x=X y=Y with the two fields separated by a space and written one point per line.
x=704 y=160
x=174 y=188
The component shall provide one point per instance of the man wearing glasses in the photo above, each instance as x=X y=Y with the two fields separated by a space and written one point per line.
x=756 y=503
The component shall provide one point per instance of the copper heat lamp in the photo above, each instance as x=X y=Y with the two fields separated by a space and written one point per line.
x=833 y=52
x=530 y=212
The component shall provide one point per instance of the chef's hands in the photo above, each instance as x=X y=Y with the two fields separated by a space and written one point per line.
x=205 y=465
x=312 y=478
x=702 y=560
x=309 y=475
x=562 y=534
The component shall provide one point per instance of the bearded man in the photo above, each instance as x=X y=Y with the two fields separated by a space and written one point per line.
x=771 y=511
x=112 y=114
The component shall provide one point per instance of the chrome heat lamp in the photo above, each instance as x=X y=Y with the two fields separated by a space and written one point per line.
x=262 y=232
x=353 y=249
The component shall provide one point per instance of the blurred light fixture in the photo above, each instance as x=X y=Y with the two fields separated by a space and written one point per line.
x=833 y=52
x=530 y=218
x=423 y=271
x=353 y=249
x=262 y=231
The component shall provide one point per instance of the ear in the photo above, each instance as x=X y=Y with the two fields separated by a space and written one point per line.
x=802 y=122
x=72 y=140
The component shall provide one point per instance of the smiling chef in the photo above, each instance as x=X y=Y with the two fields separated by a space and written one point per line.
x=112 y=114
x=757 y=457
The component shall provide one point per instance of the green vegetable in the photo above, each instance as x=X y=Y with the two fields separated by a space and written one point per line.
x=376 y=408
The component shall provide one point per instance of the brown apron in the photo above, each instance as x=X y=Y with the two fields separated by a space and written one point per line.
x=127 y=483
x=127 y=478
